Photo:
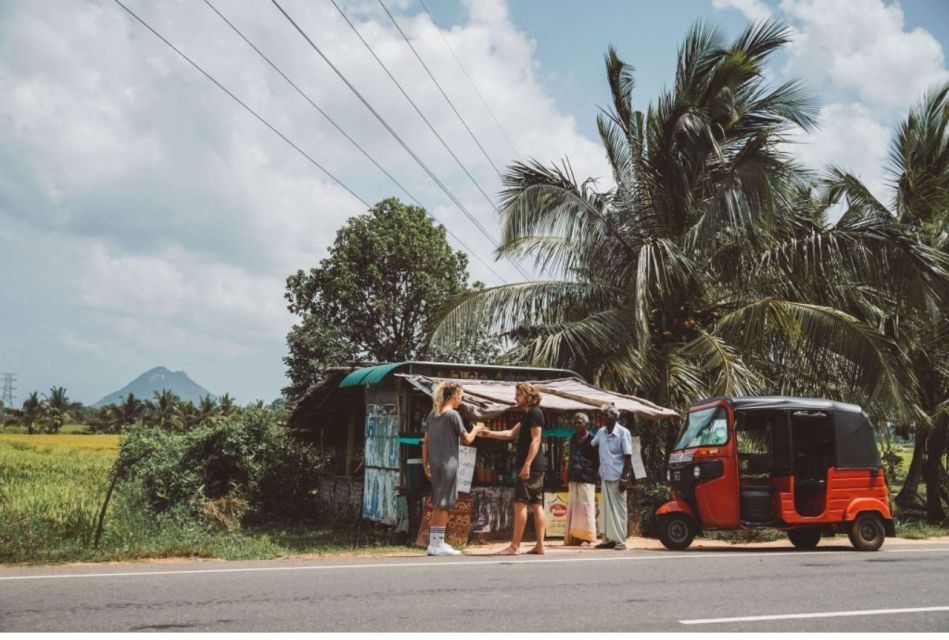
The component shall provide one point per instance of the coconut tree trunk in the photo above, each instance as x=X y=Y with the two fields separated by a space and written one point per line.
x=908 y=497
x=935 y=513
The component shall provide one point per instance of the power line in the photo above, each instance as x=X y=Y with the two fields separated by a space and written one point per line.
x=392 y=131
x=405 y=94
x=347 y=136
x=242 y=103
x=470 y=80
x=442 y=91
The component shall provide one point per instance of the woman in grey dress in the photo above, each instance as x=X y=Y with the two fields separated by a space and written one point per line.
x=444 y=430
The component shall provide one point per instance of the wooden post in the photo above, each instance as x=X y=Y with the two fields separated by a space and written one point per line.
x=350 y=444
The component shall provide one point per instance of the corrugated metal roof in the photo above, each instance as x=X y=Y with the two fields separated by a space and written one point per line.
x=488 y=398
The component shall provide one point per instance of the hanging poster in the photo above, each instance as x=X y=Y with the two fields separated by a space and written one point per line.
x=466 y=465
x=639 y=469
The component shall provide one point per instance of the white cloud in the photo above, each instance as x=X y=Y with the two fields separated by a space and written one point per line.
x=754 y=10
x=849 y=137
x=154 y=221
x=868 y=68
x=864 y=47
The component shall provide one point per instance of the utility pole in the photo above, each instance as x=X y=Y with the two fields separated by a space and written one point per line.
x=6 y=396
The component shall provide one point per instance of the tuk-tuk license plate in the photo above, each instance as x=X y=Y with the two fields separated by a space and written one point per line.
x=681 y=456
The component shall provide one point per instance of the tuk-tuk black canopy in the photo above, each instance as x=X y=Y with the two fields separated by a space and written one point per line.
x=855 y=447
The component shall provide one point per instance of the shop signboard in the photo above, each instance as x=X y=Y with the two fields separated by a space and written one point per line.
x=555 y=508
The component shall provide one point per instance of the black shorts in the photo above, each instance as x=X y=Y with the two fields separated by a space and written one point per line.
x=530 y=491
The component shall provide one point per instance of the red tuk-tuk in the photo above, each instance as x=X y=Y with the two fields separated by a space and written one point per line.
x=808 y=467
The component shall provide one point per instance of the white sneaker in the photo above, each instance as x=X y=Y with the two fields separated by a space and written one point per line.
x=445 y=549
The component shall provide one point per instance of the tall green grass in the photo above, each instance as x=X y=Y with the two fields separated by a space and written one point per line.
x=51 y=487
x=51 y=490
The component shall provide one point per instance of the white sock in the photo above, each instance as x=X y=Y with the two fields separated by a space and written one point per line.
x=437 y=537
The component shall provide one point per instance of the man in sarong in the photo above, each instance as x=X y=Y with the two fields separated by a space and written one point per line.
x=615 y=445
x=581 y=476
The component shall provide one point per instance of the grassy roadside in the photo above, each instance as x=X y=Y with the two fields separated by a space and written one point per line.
x=51 y=490
x=52 y=487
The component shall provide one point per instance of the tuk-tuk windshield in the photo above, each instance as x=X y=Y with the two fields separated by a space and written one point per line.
x=705 y=427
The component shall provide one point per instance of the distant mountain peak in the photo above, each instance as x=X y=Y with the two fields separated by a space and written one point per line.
x=158 y=379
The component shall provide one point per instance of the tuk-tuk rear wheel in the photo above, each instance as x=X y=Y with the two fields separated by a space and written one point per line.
x=804 y=538
x=866 y=532
x=676 y=531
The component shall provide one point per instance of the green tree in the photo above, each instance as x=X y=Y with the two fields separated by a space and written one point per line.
x=187 y=414
x=58 y=409
x=208 y=412
x=31 y=413
x=164 y=411
x=130 y=411
x=708 y=265
x=115 y=418
x=227 y=407
x=374 y=295
x=919 y=175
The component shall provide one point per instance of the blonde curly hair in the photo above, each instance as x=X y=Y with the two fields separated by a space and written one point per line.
x=444 y=391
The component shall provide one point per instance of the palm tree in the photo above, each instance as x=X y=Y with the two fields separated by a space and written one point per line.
x=919 y=176
x=58 y=409
x=208 y=412
x=129 y=411
x=164 y=411
x=227 y=407
x=31 y=412
x=695 y=273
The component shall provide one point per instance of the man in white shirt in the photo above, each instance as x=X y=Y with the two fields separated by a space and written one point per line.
x=615 y=444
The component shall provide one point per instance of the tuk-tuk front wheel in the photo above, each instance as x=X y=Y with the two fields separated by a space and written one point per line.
x=804 y=538
x=867 y=532
x=676 y=531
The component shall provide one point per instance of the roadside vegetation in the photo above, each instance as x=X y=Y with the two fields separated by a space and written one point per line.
x=239 y=490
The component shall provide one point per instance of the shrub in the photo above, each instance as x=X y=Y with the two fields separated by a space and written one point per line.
x=248 y=468
x=649 y=497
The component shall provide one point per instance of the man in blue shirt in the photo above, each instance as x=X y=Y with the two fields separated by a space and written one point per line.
x=615 y=444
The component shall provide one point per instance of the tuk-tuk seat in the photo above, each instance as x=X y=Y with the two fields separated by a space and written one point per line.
x=755 y=463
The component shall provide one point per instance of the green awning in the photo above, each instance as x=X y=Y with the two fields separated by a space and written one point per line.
x=558 y=432
x=369 y=375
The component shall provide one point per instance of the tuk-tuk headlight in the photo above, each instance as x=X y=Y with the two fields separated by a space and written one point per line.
x=696 y=472
x=669 y=475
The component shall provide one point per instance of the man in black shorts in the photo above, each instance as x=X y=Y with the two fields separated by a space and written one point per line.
x=529 y=465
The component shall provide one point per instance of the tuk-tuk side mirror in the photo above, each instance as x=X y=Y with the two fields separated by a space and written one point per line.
x=874 y=472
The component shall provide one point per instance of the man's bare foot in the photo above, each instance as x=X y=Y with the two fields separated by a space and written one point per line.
x=507 y=551
x=536 y=551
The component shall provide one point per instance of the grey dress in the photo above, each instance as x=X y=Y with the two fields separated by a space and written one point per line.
x=444 y=433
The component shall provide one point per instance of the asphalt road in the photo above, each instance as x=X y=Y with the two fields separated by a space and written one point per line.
x=900 y=588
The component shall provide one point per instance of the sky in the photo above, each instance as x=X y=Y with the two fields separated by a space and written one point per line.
x=146 y=219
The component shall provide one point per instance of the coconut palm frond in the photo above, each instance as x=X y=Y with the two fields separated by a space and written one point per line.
x=683 y=379
x=919 y=160
x=543 y=200
x=622 y=82
x=504 y=308
x=563 y=343
x=876 y=365
x=663 y=272
x=730 y=374
x=789 y=104
x=838 y=183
